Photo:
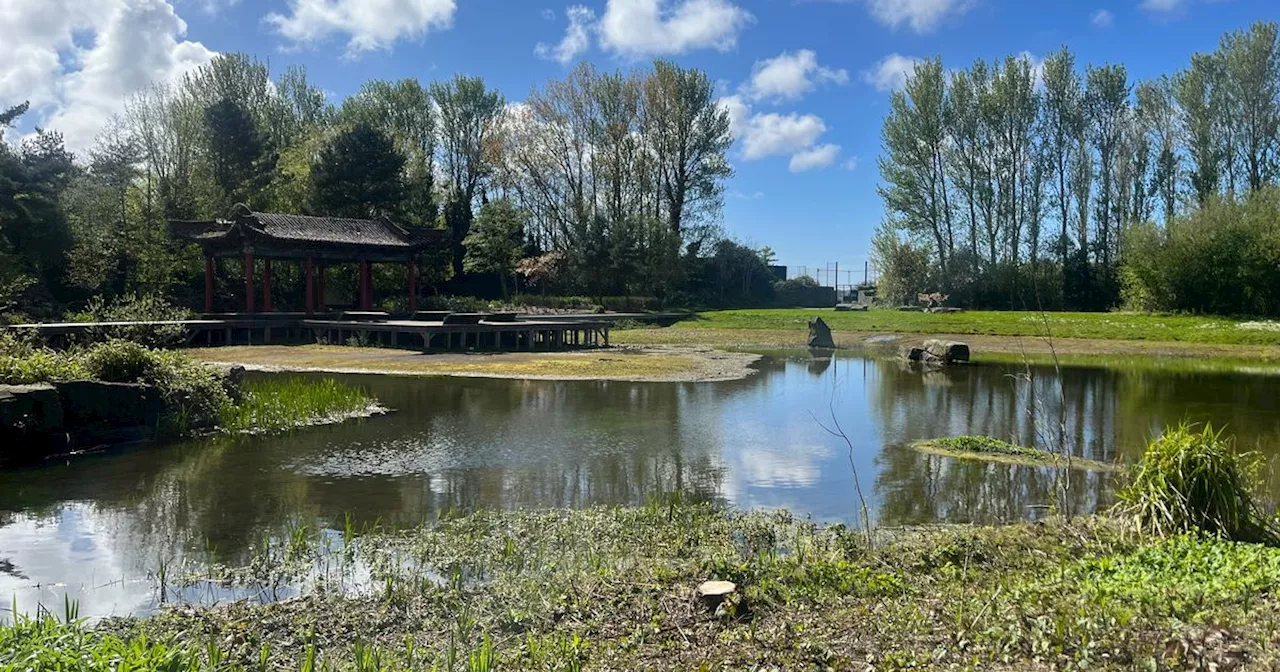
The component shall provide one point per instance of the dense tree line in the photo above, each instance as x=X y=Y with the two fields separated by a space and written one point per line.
x=598 y=184
x=1013 y=185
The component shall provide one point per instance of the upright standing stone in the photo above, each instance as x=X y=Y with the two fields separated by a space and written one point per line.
x=820 y=334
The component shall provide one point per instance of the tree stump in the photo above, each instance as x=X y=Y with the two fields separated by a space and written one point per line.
x=713 y=593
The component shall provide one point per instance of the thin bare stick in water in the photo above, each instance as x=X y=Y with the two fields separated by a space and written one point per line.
x=1062 y=413
x=839 y=432
x=1064 y=478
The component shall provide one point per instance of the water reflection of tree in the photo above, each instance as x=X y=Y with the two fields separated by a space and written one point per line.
x=912 y=405
x=916 y=487
x=454 y=443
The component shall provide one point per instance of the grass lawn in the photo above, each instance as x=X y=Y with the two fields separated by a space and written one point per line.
x=614 y=588
x=1112 y=339
x=1107 y=326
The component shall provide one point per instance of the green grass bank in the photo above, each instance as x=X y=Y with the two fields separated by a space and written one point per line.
x=1097 y=326
x=614 y=588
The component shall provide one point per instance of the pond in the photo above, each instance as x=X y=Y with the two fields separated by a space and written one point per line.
x=100 y=528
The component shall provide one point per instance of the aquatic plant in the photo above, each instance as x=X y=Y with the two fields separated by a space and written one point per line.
x=995 y=450
x=280 y=404
x=1191 y=480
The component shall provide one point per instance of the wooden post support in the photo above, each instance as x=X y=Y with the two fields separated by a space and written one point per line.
x=413 y=287
x=248 y=282
x=309 y=273
x=320 y=300
x=365 y=293
x=208 y=284
x=266 y=285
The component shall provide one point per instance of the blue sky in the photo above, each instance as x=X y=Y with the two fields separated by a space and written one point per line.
x=808 y=126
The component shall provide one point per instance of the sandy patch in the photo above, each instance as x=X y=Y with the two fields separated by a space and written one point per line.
x=640 y=364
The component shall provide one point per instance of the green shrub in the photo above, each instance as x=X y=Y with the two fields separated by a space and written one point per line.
x=23 y=362
x=587 y=304
x=454 y=304
x=135 y=308
x=1222 y=258
x=1195 y=481
x=39 y=366
x=195 y=393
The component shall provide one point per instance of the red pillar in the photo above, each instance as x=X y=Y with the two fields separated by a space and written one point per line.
x=320 y=288
x=208 y=284
x=248 y=282
x=413 y=287
x=266 y=285
x=310 y=280
x=365 y=294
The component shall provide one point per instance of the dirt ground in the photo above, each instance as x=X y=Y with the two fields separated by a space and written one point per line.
x=657 y=363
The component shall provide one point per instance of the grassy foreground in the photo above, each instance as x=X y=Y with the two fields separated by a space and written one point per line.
x=613 y=588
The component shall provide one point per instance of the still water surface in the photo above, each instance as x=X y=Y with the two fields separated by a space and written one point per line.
x=97 y=528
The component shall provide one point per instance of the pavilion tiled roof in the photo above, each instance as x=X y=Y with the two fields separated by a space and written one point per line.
x=331 y=229
x=306 y=229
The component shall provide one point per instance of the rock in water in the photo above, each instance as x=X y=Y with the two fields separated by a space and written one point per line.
x=820 y=334
x=949 y=352
x=712 y=593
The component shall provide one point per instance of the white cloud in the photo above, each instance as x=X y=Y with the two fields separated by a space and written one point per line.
x=77 y=62
x=1162 y=6
x=370 y=24
x=643 y=28
x=814 y=157
x=922 y=16
x=891 y=72
x=850 y=163
x=1102 y=19
x=774 y=134
x=549 y=14
x=577 y=37
x=739 y=111
x=789 y=76
x=214 y=7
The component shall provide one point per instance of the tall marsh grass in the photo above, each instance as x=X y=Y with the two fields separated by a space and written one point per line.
x=1193 y=480
x=280 y=404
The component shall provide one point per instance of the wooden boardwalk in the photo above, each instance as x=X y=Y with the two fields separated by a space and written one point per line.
x=520 y=334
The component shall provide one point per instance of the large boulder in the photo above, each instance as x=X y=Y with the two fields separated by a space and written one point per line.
x=820 y=334
x=948 y=352
x=30 y=407
x=31 y=423
x=100 y=412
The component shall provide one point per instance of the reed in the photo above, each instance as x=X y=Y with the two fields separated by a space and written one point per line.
x=1193 y=480
x=281 y=404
